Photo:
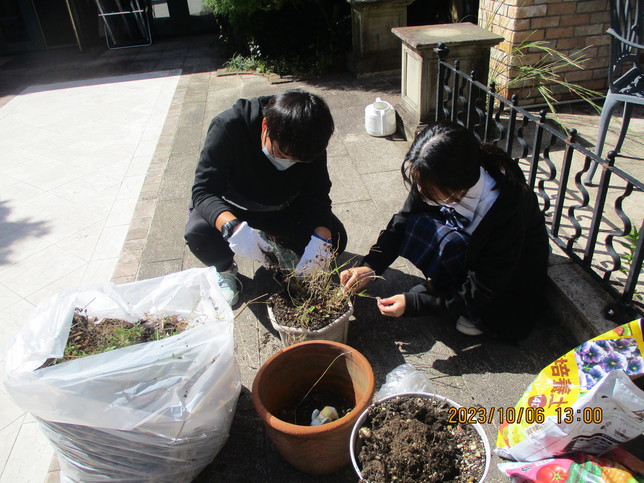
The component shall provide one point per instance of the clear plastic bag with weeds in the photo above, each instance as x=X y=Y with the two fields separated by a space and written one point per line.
x=154 y=411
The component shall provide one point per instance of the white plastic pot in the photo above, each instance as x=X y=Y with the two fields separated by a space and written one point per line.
x=336 y=331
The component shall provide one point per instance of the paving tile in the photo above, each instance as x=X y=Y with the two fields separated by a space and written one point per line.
x=23 y=243
x=30 y=445
x=6 y=181
x=98 y=200
x=126 y=268
x=165 y=240
x=13 y=317
x=373 y=155
x=131 y=187
x=39 y=270
x=125 y=279
x=121 y=212
x=149 y=270
x=388 y=200
x=139 y=229
x=9 y=430
x=7 y=297
x=117 y=168
x=69 y=218
x=68 y=281
x=94 y=183
x=57 y=215
x=14 y=155
x=360 y=218
x=110 y=242
x=347 y=185
x=138 y=166
x=98 y=271
x=25 y=168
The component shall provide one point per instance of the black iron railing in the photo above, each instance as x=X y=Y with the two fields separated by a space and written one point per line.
x=591 y=224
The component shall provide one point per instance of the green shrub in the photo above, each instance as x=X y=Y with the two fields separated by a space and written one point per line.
x=285 y=36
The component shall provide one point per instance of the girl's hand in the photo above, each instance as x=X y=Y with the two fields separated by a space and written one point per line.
x=356 y=278
x=392 y=306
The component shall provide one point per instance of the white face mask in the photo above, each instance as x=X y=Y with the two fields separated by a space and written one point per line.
x=280 y=163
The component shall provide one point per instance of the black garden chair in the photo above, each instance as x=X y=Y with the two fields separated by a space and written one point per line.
x=625 y=75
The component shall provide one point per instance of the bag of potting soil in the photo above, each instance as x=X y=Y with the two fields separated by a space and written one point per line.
x=617 y=466
x=155 y=411
x=585 y=401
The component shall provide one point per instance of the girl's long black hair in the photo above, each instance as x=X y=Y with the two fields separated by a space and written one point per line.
x=445 y=158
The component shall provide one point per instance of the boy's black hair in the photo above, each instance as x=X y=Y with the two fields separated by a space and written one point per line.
x=445 y=157
x=300 y=123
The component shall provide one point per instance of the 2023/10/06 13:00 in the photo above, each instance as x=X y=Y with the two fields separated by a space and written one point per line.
x=588 y=415
x=528 y=415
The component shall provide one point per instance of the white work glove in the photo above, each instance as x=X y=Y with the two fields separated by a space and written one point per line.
x=246 y=242
x=326 y=415
x=317 y=256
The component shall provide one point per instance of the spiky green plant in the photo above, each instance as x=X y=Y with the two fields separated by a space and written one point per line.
x=547 y=73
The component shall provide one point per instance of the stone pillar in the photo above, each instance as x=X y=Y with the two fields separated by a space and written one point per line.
x=467 y=42
x=375 y=48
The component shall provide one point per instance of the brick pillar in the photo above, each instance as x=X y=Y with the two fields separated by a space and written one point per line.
x=567 y=26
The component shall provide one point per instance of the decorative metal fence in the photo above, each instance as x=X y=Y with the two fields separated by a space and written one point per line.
x=597 y=226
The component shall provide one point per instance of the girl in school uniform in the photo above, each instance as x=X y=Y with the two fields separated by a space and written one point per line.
x=473 y=227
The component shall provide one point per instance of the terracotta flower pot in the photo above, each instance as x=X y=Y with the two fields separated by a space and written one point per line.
x=286 y=378
x=355 y=440
x=337 y=331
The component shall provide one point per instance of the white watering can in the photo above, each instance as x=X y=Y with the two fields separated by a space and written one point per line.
x=380 y=118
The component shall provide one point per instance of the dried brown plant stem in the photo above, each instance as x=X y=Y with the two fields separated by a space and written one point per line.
x=323 y=374
x=246 y=304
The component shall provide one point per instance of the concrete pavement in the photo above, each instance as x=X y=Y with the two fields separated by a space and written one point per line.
x=367 y=190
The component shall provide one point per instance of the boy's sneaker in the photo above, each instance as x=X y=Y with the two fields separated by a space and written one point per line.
x=467 y=327
x=228 y=284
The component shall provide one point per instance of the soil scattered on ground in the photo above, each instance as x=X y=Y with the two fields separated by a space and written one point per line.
x=410 y=439
x=91 y=335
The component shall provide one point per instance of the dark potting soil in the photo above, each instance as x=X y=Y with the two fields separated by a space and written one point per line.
x=410 y=439
x=300 y=412
x=313 y=317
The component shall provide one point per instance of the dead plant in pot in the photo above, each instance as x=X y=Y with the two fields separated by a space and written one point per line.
x=311 y=306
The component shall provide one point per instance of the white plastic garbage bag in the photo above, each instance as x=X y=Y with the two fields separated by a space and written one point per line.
x=403 y=379
x=157 y=411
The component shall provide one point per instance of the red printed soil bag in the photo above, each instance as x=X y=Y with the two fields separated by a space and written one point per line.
x=618 y=466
